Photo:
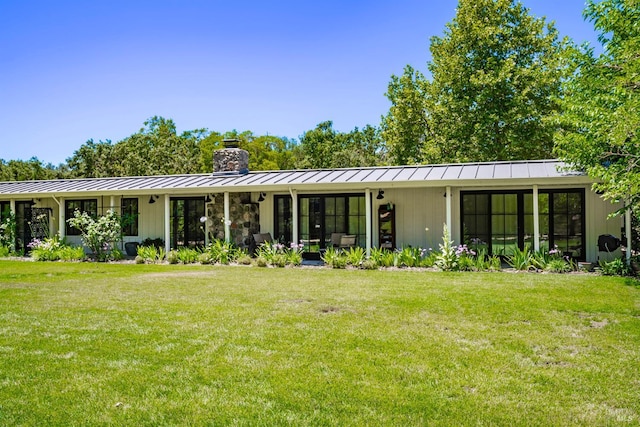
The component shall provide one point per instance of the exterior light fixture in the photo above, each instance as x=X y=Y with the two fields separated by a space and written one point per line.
x=153 y=199
x=380 y=195
x=262 y=196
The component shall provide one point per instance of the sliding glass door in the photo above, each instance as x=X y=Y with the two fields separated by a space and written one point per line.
x=501 y=222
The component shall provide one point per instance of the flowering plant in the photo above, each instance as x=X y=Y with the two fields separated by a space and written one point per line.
x=98 y=235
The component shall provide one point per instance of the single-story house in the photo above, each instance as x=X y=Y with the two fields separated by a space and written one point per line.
x=497 y=206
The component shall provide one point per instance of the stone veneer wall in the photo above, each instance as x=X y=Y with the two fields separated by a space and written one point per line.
x=244 y=217
x=231 y=160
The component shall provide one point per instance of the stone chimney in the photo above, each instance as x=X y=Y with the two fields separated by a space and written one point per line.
x=231 y=158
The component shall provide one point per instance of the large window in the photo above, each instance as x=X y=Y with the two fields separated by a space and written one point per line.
x=129 y=215
x=322 y=215
x=90 y=206
x=500 y=222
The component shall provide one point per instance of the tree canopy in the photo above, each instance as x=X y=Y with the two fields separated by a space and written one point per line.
x=496 y=77
x=600 y=128
x=324 y=147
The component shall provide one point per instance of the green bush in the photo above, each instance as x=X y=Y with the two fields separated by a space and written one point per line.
x=244 y=259
x=172 y=257
x=558 y=266
x=261 y=261
x=5 y=251
x=187 y=255
x=617 y=267
x=521 y=259
x=369 y=264
x=354 y=256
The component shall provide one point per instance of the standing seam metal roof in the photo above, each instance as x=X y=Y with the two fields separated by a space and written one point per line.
x=393 y=175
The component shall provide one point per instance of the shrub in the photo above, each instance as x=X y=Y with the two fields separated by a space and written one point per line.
x=617 y=267
x=354 y=256
x=139 y=259
x=172 y=257
x=98 y=235
x=261 y=261
x=187 y=255
x=521 y=259
x=71 y=253
x=279 y=260
x=5 y=251
x=558 y=266
x=369 y=264
x=8 y=231
x=276 y=254
x=446 y=260
x=52 y=249
x=222 y=252
x=205 y=258
x=334 y=258
x=148 y=253
x=244 y=259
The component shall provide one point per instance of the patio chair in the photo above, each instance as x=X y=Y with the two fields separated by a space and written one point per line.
x=347 y=241
x=335 y=239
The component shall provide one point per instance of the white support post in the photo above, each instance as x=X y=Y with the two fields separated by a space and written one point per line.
x=368 y=221
x=227 y=226
x=62 y=223
x=12 y=206
x=627 y=230
x=449 y=210
x=167 y=223
x=112 y=204
x=536 y=220
x=205 y=225
x=294 y=213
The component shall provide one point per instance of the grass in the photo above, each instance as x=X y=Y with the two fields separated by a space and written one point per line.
x=101 y=344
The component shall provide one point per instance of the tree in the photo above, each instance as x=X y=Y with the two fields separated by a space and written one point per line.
x=496 y=77
x=405 y=127
x=32 y=169
x=600 y=129
x=324 y=147
x=266 y=152
x=155 y=149
x=92 y=160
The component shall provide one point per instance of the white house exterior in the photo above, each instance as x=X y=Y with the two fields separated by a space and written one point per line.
x=497 y=205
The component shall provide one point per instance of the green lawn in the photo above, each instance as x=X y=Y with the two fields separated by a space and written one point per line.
x=96 y=344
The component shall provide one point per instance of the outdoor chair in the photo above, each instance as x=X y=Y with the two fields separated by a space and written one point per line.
x=335 y=239
x=347 y=241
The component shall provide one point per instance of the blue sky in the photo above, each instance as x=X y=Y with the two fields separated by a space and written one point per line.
x=75 y=70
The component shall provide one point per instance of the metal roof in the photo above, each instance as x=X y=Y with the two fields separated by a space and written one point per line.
x=467 y=174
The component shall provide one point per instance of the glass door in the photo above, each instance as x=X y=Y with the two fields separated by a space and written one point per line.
x=186 y=228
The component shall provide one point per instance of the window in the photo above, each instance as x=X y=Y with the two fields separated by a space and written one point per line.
x=500 y=222
x=5 y=210
x=129 y=215
x=320 y=216
x=90 y=206
x=283 y=215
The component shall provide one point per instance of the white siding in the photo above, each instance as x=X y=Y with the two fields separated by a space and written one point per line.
x=415 y=210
